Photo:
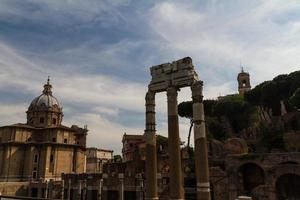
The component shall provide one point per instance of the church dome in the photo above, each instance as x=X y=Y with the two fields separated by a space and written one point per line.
x=46 y=99
x=45 y=110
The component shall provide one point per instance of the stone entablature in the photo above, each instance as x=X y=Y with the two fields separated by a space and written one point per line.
x=180 y=73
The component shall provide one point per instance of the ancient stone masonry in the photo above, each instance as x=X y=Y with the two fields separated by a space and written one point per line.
x=170 y=77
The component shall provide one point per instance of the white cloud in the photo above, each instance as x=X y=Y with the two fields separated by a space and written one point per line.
x=220 y=35
x=216 y=34
x=12 y=113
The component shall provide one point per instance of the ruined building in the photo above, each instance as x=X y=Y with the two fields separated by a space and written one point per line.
x=96 y=158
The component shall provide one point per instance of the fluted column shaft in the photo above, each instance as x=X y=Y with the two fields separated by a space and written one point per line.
x=150 y=138
x=176 y=179
x=201 y=157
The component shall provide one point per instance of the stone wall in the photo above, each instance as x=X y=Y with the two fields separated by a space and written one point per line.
x=14 y=188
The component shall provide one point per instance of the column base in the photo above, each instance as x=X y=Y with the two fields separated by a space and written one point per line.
x=152 y=198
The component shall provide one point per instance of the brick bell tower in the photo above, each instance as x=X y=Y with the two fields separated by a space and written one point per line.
x=243 y=79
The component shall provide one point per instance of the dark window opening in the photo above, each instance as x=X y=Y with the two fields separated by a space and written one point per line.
x=34 y=192
x=0 y=139
x=42 y=120
x=35 y=158
x=51 y=158
x=53 y=139
x=65 y=140
x=29 y=139
x=54 y=121
x=34 y=175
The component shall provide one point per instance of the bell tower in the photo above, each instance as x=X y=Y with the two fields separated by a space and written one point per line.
x=243 y=79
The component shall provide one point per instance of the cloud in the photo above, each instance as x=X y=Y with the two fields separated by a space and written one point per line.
x=12 y=113
x=219 y=35
x=98 y=54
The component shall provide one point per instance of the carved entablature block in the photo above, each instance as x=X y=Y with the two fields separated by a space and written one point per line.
x=180 y=73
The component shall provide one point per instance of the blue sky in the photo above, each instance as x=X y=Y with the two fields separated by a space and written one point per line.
x=98 y=54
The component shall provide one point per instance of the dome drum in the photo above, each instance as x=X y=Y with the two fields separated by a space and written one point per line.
x=45 y=110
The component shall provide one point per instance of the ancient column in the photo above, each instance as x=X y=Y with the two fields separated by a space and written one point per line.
x=62 y=189
x=79 y=190
x=201 y=157
x=176 y=180
x=139 y=187
x=150 y=138
x=46 y=190
x=84 y=193
x=100 y=189
x=69 y=189
x=121 y=190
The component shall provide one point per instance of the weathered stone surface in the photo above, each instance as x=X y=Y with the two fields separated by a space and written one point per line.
x=179 y=74
x=236 y=146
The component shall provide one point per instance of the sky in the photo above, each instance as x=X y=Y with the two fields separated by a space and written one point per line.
x=98 y=54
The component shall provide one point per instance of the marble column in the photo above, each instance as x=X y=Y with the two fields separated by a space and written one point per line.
x=176 y=179
x=201 y=157
x=150 y=138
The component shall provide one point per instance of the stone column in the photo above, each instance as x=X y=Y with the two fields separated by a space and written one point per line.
x=84 y=194
x=104 y=186
x=140 y=187
x=46 y=190
x=176 y=179
x=150 y=138
x=201 y=157
x=69 y=189
x=121 y=192
x=50 y=189
x=62 y=189
x=100 y=189
x=79 y=190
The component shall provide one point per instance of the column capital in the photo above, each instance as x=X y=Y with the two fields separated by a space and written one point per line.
x=150 y=97
x=172 y=93
x=197 y=91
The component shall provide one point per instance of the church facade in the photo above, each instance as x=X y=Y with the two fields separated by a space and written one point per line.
x=41 y=149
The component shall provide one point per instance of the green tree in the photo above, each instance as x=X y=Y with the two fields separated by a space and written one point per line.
x=118 y=158
x=295 y=99
x=185 y=109
x=272 y=136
